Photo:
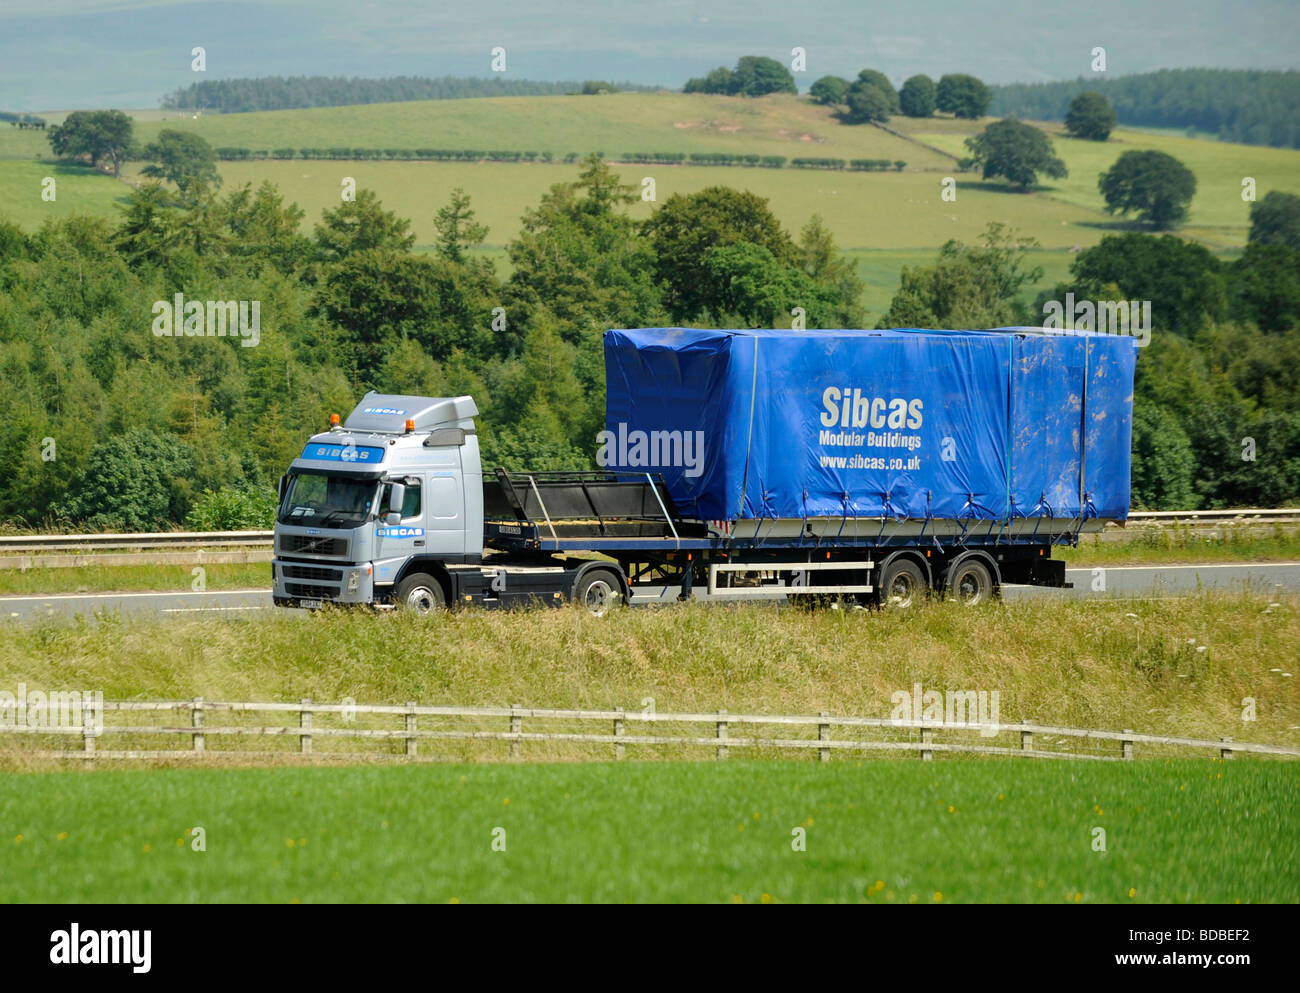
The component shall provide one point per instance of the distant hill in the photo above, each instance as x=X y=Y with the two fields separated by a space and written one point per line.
x=235 y=96
x=1255 y=107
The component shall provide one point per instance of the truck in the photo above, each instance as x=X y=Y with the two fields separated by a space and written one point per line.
x=876 y=468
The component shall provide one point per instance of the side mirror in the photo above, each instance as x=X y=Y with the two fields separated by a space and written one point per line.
x=396 y=497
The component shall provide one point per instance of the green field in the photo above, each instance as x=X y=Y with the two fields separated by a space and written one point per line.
x=613 y=124
x=880 y=832
x=882 y=220
x=78 y=189
x=119 y=578
x=1218 y=215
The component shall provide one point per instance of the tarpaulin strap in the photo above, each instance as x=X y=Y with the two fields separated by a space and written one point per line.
x=974 y=515
x=753 y=390
x=886 y=511
x=844 y=502
x=1044 y=505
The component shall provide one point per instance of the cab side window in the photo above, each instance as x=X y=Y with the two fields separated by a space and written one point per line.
x=410 y=505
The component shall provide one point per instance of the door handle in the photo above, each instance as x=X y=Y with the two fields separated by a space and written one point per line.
x=419 y=541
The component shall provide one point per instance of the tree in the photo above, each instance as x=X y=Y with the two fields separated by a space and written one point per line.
x=262 y=228
x=1183 y=281
x=757 y=75
x=130 y=483
x=1163 y=463
x=830 y=90
x=594 y=86
x=100 y=134
x=863 y=106
x=361 y=225
x=968 y=286
x=457 y=228
x=833 y=274
x=184 y=158
x=1154 y=185
x=917 y=97
x=1015 y=151
x=963 y=95
x=687 y=226
x=1090 y=116
x=867 y=103
x=1275 y=220
x=1264 y=287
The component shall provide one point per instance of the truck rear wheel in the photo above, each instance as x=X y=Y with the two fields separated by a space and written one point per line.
x=420 y=593
x=971 y=583
x=598 y=591
x=903 y=585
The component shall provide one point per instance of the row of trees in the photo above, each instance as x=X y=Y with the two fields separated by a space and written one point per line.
x=1255 y=106
x=872 y=97
x=232 y=96
x=114 y=426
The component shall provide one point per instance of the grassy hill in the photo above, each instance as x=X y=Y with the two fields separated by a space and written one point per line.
x=885 y=220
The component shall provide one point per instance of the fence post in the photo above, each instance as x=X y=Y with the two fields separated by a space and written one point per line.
x=927 y=737
x=1225 y=753
x=1026 y=737
x=1126 y=745
x=824 y=734
x=200 y=739
x=722 y=735
x=618 y=733
x=516 y=727
x=88 y=726
x=304 y=725
x=412 y=746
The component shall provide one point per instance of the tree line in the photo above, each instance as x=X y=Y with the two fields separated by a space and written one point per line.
x=235 y=96
x=1253 y=106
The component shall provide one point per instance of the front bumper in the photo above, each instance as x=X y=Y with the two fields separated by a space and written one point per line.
x=313 y=584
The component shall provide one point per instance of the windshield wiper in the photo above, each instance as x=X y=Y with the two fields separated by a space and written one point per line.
x=328 y=517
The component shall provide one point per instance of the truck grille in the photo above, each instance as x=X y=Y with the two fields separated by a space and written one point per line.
x=312 y=592
x=312 y=572
x=310 y=544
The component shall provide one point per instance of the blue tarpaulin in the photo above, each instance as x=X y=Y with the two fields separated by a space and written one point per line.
x=914 y=423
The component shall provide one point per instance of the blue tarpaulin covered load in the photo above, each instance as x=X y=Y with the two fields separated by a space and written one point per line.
x=913 y=423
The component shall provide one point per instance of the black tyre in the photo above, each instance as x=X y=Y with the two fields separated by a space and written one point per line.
x=420 y=593
x=598 y=591
x=971 y=583
x=903 y=585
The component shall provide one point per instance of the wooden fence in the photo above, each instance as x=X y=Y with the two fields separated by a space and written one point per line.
x=622 y=730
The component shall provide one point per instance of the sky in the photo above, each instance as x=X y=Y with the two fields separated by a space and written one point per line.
x=66 y=54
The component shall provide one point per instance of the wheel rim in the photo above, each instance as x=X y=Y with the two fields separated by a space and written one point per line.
x=598 y=598
x=970 y=587
x=422 y=600
x=901 y=589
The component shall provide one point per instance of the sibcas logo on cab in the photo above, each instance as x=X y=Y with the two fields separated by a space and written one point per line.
x=401 y=532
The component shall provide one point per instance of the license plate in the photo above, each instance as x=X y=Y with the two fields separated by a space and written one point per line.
x=311 y=604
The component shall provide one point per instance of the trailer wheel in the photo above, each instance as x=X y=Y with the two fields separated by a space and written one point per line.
x=420 y=593
x=903 y=585
x=598 y=591
x=971 y=583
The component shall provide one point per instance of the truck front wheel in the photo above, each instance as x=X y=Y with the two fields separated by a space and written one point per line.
x=420 y=593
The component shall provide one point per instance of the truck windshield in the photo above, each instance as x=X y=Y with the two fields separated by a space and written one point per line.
x=321 y=500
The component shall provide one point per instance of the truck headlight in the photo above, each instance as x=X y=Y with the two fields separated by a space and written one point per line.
x=354 y=580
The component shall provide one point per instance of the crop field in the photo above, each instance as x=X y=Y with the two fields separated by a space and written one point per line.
x=888 y=832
